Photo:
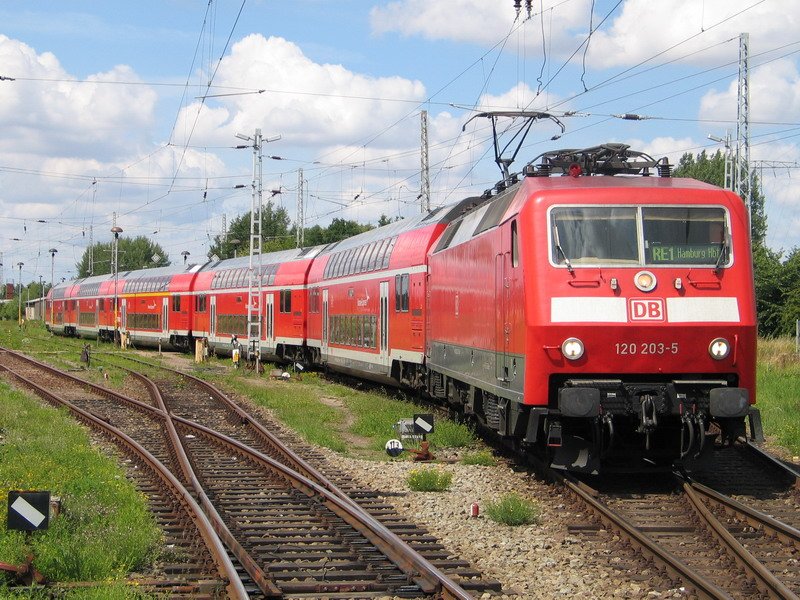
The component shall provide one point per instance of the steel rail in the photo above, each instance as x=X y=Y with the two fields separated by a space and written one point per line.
x=219 y=555
x=763 y=578
x=260 y=577
x=677 y=568
x=391 y=543
x=393 y=548
x=785 y=533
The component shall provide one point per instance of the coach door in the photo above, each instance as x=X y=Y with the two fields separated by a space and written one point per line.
x=325 y=323
x=384 y=323
x=502 y=325
x=165 y=316
x=212 y=319
x=123 y=324
x=269 y=317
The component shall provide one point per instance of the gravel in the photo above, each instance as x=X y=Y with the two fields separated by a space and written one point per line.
x=544 y=560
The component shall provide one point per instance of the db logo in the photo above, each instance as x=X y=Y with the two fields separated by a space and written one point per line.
x=647 y=309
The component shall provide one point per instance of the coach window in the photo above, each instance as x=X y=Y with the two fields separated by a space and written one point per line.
x=514 y=245
x=176 y=303
x=286 y=301
x=201 y=303
x=363 y=258
x=401 y=293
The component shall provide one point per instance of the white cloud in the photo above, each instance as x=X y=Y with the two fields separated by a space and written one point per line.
x=644 y=28
x=309 y=104
x=481 y=21
x=636 y=31
x=774 y=95
x=54 y=111
x=485 y=22
x=659 y=147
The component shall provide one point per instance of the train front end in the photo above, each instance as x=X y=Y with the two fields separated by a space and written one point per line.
x=640 y=320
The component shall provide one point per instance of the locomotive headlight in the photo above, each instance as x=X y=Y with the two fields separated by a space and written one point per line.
x=719 y=348
x=645 y=281
x=572 y=348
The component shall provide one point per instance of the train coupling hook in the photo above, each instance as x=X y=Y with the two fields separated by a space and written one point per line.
x=649 y=419
x=701 y=433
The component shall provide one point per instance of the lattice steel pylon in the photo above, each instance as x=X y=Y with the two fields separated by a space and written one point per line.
x=300 y=217
x=425 y=176
x=255 y=280
x=742 y=182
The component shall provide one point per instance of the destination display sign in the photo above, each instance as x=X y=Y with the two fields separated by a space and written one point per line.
x=697 y=254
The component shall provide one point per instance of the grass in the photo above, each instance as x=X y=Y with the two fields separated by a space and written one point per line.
x=349 y=413
x=106 y=591
x=104 y=531
x=778 y=386
x=429 y=480
x=513 y=510
x=481 y=458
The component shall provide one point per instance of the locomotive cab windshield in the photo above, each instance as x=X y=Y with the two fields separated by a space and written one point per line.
x=639 y=236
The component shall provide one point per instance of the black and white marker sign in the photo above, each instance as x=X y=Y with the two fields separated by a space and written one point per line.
x=28 y=511
x=394 y=448
x=423 y=424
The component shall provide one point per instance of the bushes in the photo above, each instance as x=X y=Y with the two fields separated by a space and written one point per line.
x=513 y=510
x=429 y=480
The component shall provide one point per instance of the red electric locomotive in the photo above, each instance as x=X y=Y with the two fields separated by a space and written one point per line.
x=605 y=314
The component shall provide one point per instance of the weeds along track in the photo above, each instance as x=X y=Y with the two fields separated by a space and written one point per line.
x=197 y=566
x=717 y=546
x=294 y=537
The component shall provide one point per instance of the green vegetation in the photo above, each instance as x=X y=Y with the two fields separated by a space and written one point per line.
x=429 y=480
x=104 y=531
x=481 y=458
x=102 y=591
x=337 y=416
x=513 y=510
x=778 y=387
x=278 y=235
x=134 y=253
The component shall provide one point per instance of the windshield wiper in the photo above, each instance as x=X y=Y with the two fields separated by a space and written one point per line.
x=561 y=250
x=724 y=248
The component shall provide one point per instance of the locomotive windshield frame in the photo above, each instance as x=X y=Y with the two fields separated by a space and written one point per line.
x=637 y=235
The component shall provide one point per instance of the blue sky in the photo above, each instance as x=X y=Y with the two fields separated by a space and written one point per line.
x=100 y=119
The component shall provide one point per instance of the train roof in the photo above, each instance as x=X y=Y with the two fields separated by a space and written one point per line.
x=267 y=258
x=91 y=285
x=437 y=215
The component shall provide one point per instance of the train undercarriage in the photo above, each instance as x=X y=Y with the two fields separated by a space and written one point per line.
x=592 y=424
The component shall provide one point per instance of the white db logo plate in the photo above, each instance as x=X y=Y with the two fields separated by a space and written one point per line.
x=647 y=309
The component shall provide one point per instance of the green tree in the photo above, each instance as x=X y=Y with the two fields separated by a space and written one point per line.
x=769 y=298
x=275 y=233
x=790 y=290
x=339 y=229
x=133 y=253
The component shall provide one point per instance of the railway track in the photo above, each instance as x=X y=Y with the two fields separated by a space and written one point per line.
x=718 y=546
x=294 y=537
x=204 y=569
x=195 y=399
